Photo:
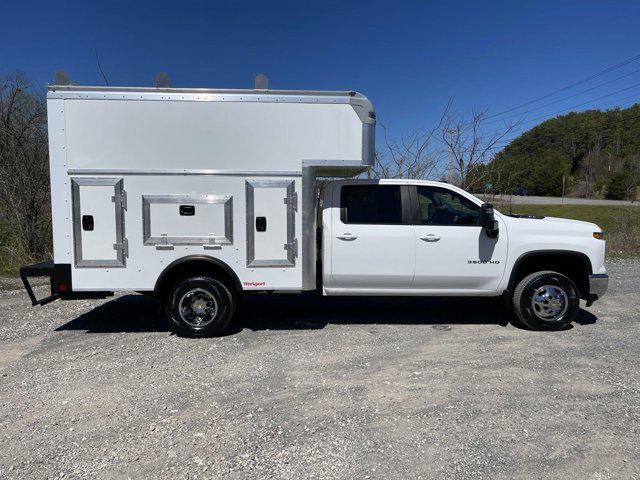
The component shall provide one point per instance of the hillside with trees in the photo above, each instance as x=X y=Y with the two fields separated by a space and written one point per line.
x=597 y=151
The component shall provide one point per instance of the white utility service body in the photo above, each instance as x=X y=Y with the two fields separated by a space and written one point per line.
x=129 y=159
x=197 y=195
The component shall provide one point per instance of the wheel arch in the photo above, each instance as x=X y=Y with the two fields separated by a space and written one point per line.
x=576 y=265
x=193 y=265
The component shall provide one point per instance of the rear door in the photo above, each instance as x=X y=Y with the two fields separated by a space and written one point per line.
x=453 y=252
x=372 y=243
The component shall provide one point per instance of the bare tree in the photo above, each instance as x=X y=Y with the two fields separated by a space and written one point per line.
x=24 y=172
x=469 y=144
x=423 y=153
x=413 y=156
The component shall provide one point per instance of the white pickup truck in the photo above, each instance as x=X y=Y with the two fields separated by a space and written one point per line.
x=199 y=196
x=410 y=237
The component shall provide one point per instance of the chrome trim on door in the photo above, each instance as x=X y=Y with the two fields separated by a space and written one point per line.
x=292 y=207
x=163 y=240
x=120 y=205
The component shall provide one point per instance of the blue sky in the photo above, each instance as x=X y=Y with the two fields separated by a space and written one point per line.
x=407 y=57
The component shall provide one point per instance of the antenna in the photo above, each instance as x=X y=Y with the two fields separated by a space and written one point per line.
x=100 y=68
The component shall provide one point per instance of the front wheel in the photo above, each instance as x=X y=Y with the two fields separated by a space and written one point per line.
x=546 y=301
x=199 y=306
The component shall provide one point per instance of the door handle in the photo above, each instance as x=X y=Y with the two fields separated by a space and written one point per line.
x=430 y=238
x=347 y=236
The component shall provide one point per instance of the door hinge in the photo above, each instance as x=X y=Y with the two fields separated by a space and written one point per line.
x=124 y=246
x=292 y=247
x=120 y=198
x=292 y=200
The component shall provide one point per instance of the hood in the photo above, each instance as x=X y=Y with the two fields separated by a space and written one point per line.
x=568 y=220
x=533 y=222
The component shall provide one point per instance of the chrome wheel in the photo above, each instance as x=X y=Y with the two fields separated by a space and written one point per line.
x=198 y=308
x=550 y=303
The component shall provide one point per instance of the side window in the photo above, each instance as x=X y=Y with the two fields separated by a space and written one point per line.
x=439 y=206
x=371 y=204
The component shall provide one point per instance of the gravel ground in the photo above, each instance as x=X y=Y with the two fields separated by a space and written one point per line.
x=306 y=387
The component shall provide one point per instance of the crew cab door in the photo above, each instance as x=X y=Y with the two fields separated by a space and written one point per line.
x=371 y=239
x=453 y=252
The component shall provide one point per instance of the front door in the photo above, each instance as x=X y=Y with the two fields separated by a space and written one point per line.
x=453 y=252
x=372 y=240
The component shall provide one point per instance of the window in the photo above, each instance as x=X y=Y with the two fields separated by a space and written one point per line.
x=439 y=206
x=371 y=204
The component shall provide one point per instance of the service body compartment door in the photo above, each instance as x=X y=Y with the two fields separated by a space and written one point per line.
x=271 y=207
x=98 y=222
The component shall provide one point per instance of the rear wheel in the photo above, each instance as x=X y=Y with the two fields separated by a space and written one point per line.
x=546 y=301
x=199 y=306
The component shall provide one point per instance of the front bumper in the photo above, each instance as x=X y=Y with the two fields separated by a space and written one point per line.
x=598 y=284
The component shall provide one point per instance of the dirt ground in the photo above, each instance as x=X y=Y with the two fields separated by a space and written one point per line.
x=309 y=387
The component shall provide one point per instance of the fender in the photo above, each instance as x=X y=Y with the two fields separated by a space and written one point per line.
x=537 y=253
x=199 y=258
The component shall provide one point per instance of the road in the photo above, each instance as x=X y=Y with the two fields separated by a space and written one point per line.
x=311 y=387
x=532 y=200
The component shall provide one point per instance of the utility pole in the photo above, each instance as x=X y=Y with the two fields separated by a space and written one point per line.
x=451 y=155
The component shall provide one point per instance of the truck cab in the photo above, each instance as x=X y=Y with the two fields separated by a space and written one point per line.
x=411 y=237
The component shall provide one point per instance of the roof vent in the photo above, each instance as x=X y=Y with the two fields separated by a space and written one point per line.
x=261 y=82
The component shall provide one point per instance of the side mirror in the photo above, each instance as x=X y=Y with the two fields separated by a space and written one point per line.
x=488 y=221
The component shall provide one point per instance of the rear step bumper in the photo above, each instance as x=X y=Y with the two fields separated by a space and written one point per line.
x=42 y=269
x=60 y=278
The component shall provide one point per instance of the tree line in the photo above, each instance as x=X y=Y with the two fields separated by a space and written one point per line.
x=25 y=217
x=597 y=152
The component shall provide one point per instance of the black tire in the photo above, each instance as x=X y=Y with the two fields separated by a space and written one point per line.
x=199 y=306
x=554 y=308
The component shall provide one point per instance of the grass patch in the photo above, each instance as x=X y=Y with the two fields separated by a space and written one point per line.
x=621 y=224
x=13 y=254
x=607 y=217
